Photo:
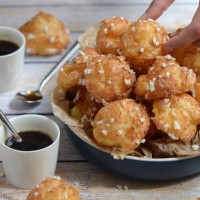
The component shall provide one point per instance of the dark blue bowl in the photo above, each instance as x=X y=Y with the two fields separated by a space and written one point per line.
x=138 y=168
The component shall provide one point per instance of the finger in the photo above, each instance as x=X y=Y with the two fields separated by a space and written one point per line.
x=197 y=43
x=156 y=8
x=187 y=36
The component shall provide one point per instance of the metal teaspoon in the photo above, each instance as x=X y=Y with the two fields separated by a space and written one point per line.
x=6 y=122
x=35 y=96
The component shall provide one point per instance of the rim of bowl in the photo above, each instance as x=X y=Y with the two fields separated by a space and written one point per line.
x=40 y=116
x=17 y=32
x=175 y=159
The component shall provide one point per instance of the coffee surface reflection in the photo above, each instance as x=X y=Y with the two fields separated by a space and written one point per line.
x=31 y=141
x=7 y=47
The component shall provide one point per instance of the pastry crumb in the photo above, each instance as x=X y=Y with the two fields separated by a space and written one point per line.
x=124 y=187
x=76 y=183
x=119 y=187
x=195 y=147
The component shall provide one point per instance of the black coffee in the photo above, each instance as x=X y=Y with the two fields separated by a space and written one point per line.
x=31 y=141
x=7 y=47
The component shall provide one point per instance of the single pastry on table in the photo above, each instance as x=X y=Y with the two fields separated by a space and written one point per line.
x=164 y=78
x=142 y=42
x=177 y=116
x=188 y=56
x=53 y=189
x=108 y=36
x=121 y=124
x=72 y=74
x=109 y=78
x=45 y=35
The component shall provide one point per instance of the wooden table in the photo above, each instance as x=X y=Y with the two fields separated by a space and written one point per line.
x=78 y=15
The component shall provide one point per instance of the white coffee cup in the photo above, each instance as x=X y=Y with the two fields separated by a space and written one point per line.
x=25 y=169
x=11 y=65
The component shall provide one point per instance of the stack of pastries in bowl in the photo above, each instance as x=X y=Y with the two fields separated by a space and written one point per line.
x=131 y=95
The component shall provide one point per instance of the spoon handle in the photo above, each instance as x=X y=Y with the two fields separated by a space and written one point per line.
x=61 y=62
x=10 y=127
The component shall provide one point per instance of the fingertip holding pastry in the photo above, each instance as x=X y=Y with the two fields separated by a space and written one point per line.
x=168 y=48
x=52 y=189
x=164 y=78
x=142 y=42
x=177 y=116
x=188 y=56
x=109 y=78
x=45 y=35
x=121 y=124
x=108 y=36
x=178 y=54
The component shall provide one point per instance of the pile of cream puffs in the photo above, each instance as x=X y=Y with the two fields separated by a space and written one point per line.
x=129 y=91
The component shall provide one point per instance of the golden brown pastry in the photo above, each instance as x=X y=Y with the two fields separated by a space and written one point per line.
x=191 y=58
x=142 y=42
x=109 y=78
x=85 y=56
x=164 y=78
x=72 y=74
x=86 y=103
x=107 y=40
x=45 y=35
x=196 y=90
x=122 y=124
x=178 y=116
x=53 y=189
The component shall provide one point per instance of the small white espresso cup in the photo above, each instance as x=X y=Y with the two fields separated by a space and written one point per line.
x=25 y=169
x=11 y=65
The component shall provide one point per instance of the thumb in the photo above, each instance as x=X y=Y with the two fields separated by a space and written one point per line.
x=185 y=37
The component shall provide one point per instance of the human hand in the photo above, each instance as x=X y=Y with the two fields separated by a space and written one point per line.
x=156 y=9
x=190 y=34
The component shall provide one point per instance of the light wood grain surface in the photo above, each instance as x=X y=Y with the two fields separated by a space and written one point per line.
x=78 y=15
